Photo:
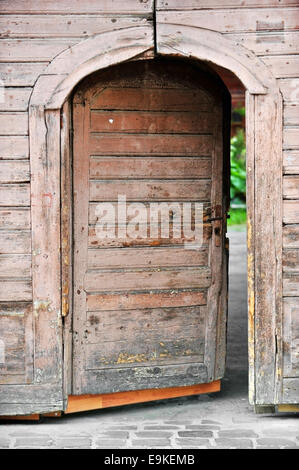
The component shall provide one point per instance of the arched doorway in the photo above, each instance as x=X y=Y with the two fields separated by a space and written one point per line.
x=150 y=181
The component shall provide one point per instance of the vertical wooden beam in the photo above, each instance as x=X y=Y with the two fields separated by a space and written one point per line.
x=268 y=246
x=45 y=203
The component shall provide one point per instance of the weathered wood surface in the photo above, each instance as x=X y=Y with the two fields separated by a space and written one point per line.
x=215 y=4
x=291 y=236
x=14 y=123
x=290 y=390
x=152 y=323
x=291 y=212
x=14 y=147
x=15 y=218
x=291 y=187
x=291 y=337
x=92 y=6
x=15 y=241
x=15 y=99
x=283 y=66
x=291 y=162
x=23 y=74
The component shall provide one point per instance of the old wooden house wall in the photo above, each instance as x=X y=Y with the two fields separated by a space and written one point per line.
x=32 y=34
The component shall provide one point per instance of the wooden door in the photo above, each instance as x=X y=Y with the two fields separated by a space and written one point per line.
x=149 y=309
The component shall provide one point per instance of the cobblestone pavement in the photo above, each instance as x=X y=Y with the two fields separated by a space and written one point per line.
x=220 y=420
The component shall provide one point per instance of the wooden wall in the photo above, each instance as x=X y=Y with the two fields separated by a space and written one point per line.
x=32 y=34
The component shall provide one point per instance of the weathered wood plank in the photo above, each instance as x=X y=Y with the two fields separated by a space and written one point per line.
x=291 y=337
x=291 y=187
x=96 y=281
x=34 y=394
x=21 y=74
x=157 y=190
x=33 y=50
x=63 y=6
x=234 y=20
x=151 y=99
x=291 y=212
x=15 y=194
x=127 y=240
x=15 y=99
x=290 y=89
x=15 y=290
x=290 y=260
x=271 y=42
x=45 y=215
x=291 y=236
x=153 y=123
x=14 y=147
x=291 y=114
x=283 y=66
x=14 y=123
x=120 y=144
x=18 y=241
x=14 y=218
x=291 y=162
x=291 y=285
x=290 y=390
x=141 y=378
x=14 y=171
x=140 y=300
x=215 y=4
x=66 y=25
x=149 y=167
x=291 y=138
x=15 y=265
x=146 y=257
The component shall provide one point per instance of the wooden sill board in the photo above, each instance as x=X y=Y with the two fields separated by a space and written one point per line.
x=79 y=403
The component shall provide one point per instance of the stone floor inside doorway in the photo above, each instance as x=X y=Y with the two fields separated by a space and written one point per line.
x=218 y=421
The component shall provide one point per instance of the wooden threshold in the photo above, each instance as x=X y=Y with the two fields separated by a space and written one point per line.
x=77 y=403
x=288 y=408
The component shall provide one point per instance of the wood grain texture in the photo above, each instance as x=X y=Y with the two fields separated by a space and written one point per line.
x=291 y=236
x=14 y=123
x=291 y=162
x=291 y=337
x=15 y=99
x=92 y=6
x=290 y=390
x=291 y=212
x=14 y=147
x=22 y=74
x=14 y=171
x=215 y=4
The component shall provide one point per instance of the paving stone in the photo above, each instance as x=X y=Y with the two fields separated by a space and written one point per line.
x=209 y=421
x=195 y=434
x=114 y=434
x=153 y=443
x=162 y=427
x=153 y=434
x=36 y=442
x=274 y=443
x=198 y=427
x=110 y=443
x=73 y=442
x=4 y=443
x=234 y=443
x=237 y=433
x=192 y=442
x=122 y=427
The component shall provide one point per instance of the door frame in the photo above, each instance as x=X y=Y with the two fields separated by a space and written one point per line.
x=50 y=149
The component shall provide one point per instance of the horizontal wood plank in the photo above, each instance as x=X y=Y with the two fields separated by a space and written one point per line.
x=291 y=162
x=33 y=50
x=15 y=99
x=97 y=281
x=151 y=99
x=291 y=284
x=291 y=114
x=22 y=74
x=283 y=66
x=149 y=167
x=152 y=123
x=215 y=4
x=14 y=218
x=64 y=6
x=291 y=138
x=66 y=25
x=158 y=190
x=151 y=240
x=271 y=42
x=140 y=300
x=14 y=147
x=15 y=194
x=291 y=236
x=120 y=144
x=291 y=187
x=15 y=265
x=291 y=212
x=290 y=260
x=13 y=123
x=289 y=88
x=18 y=241
x=15 y=290
x=12 y=171
x=146 y=257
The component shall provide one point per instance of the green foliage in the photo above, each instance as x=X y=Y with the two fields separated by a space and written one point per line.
x=237 y=217
x=238 y=169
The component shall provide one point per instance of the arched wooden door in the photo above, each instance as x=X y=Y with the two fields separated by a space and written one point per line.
x=149 y=307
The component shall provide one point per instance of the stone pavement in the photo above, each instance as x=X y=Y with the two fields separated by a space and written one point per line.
x=218 y=421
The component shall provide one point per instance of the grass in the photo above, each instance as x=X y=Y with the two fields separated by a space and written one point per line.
x=237 y=217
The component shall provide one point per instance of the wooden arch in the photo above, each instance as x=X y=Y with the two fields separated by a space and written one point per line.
x=49 y=149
